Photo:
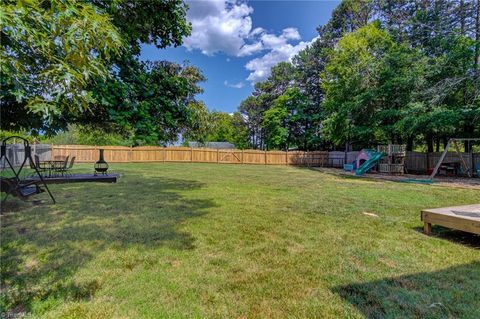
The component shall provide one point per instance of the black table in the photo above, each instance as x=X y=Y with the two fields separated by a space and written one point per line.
x=51 y=166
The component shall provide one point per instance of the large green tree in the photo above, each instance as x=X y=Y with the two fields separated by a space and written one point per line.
x=70 y=60
x=223 y=127
x=153 y=101
x=50 y=52
x=368 y=82
x=410 y=77
x=263 y=98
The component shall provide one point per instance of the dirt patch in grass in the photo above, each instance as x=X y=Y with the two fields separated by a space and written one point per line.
x=457 y=182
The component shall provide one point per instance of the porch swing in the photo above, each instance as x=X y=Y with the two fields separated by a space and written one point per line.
x=15 y=185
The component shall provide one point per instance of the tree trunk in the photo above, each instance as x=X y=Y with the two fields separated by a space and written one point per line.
x=429 y=144
x=477 y=39
x=464 y=62
x=305 y=142
x=410 y=144
x=466 y=147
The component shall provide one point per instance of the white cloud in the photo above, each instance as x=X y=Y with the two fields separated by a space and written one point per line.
x=272 y=41
x=257 y=31
x=226 y=26
x=238 y=85
x=260 y=67
x=291 y=34
x=218 y=26
x=249 y=49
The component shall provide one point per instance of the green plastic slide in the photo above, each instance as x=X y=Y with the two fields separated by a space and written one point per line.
x=369 y=164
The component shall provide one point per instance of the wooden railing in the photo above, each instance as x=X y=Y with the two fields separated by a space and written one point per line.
x=122 y=154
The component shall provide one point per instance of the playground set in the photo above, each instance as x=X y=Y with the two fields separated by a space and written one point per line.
x=389 y=159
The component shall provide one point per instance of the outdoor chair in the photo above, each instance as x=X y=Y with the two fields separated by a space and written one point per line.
x=58 y=166
x=37 y=165
x=68 y=166
x=63 y=167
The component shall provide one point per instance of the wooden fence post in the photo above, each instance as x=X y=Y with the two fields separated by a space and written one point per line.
x=427 y=156
x=191 y=154
x=265 y=157
x=472 y=161
x=286 y=157
x=242 y=156
x=130 y=154
x=218 y=158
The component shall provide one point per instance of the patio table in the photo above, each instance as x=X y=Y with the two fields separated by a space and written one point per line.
x=51 y=166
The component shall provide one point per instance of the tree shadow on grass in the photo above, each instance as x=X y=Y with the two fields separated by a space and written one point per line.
x=43 y=246
x=449 y=293
x=455 y=236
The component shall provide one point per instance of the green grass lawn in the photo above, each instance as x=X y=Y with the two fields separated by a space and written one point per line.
x=234 y=241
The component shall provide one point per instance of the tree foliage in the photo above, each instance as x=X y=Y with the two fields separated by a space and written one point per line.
x=159 y=22
x=380 y=71
x=66 y=61
x=50 y=52
x=152 y=101
x=221 y=127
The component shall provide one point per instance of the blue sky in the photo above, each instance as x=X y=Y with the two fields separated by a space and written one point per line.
x=235 y=43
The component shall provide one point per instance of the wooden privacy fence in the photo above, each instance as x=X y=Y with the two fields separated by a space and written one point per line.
x=415 y=162
x=418 y=162
x=122 y=154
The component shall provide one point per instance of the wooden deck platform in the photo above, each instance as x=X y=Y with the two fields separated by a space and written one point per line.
x=79 y=178
x=465 y=218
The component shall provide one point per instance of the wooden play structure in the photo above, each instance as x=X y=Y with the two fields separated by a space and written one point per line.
x=389 y=159
x=393 y=161
x=465 y=218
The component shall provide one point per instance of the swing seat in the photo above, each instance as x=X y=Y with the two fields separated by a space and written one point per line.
x=28 y=191
x=22 y=191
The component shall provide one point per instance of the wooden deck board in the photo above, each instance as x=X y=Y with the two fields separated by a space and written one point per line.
x=79 y=178
x=465 y=218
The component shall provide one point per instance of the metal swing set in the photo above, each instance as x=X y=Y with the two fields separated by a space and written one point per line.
x=16 y=186
x=454 y=142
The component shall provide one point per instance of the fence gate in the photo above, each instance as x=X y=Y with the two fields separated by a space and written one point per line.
x=230 y=156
